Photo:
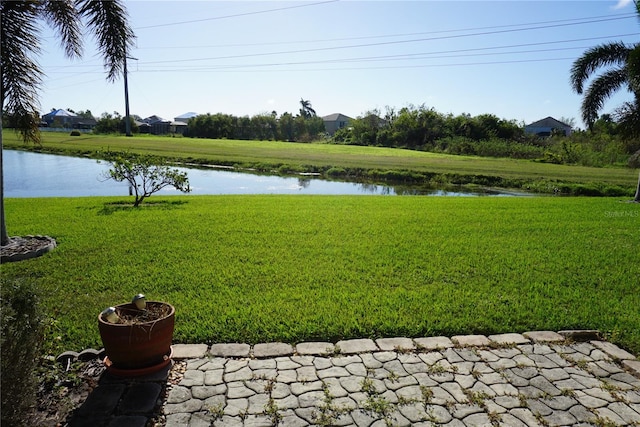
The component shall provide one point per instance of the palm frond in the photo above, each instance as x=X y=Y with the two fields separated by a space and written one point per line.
x=21 y=75
x=610 y=54
x=62 y=15
x=108 y=21
x=26 y=122
x=633 y=68
x=600 y=90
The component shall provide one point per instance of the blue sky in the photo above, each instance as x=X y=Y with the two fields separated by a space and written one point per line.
x=508 y=58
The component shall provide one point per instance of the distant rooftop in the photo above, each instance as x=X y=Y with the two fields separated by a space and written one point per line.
x=335 y=117
x=60 y=113
x=548 y=122
x=154 y=119
x=186 y=116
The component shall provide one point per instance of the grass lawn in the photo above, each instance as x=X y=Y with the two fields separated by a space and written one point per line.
x=273 y=154
x=296 y=268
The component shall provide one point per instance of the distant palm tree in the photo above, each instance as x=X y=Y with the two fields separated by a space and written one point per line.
x=621 y=70
x=20 y=74
x=306 y=111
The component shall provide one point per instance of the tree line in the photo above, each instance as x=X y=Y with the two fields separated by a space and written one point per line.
x=421 y=127
x=261 y=127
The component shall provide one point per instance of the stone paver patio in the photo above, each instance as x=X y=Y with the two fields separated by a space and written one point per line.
x=539 y=378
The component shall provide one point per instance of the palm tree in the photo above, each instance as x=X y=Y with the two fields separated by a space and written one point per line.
x=621 y=70
x=20 y=73
x=613 y=55
x=621 y=63
x=306 y=111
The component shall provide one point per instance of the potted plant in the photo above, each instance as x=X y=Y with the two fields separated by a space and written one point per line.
x=137 y=336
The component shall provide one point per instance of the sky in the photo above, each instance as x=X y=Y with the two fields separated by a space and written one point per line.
x=509 y=58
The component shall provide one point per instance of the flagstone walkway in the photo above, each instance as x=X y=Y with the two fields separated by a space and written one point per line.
x=570 y=378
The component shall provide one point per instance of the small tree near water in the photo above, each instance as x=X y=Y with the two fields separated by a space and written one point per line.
x=146 y=175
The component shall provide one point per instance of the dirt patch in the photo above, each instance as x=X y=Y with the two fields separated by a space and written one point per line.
x=62 y=390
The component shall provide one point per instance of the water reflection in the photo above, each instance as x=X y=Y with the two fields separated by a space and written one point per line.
x=28 y=174
x=304 y=182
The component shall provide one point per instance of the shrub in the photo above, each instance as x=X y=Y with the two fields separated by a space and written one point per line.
x=145 y=175
x=21 y=325
x=336 y=172
x=291 y=169
x=75 y=133
x=586 y=190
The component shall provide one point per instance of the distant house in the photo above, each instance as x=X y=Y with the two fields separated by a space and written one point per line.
x=157 y=125
x=373 y=120
x=179 y=124
x=335 y=121
x=142 y=126
x=64 y=119
x=85 y=123
x=177 y=127
x=546 y=127
x=184 y=118
x=59 y=118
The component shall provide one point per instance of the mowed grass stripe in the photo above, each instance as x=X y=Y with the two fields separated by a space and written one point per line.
x=297 y=268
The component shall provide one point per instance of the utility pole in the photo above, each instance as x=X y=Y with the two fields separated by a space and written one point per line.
x=127 y=120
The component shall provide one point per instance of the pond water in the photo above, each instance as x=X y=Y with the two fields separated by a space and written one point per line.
x=28 y=174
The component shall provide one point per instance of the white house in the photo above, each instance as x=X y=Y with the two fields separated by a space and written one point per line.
x=64 y=119
x=546 y=126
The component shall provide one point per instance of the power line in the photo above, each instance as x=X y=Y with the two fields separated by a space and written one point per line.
x=258 y=12
x=478 y=31
x=354 y=60
x=575 y=20
x=382 y=67
x=564 y=22
x=389 y=67
x=88 y=63
x=466 y=51
x=386 y=43
x=482 y=51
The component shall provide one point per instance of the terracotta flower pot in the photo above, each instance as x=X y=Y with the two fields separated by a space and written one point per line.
x=138 y=345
